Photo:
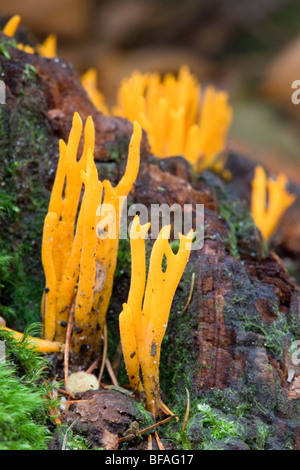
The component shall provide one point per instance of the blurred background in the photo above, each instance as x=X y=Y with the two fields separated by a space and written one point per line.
x=252 y=49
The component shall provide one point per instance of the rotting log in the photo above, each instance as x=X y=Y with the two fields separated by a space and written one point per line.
x=230 y=345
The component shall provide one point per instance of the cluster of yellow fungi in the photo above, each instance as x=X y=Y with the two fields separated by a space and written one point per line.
x=269 y=201
x=89 y=83
x=80 y=243
x=144 y=318
x=78 y=255
x=179 y=117
x=47 y=49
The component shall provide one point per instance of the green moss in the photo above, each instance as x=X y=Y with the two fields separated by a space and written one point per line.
x=26 y=150
x=240 y=225
x=124 y=258
x=5 y=45
x=228 y=401
x=23 y=410
x=206 y=428
x=219 y=426
x=20 y=410
x=276 y=334
x=29 y=73
x=118 y=150
x=181 y=440
x=258 y=434
x=178 y=364
x=144 y=418
x=241 y=239
x=232 y=235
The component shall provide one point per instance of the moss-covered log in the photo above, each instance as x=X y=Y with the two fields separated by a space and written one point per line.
x=41 y=98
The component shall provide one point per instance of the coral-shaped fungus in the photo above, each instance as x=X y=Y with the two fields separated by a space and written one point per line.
x=269 y=201
x=46 y=49
x=79 y=259
x=12 y=25
x=144 y=318
x=89 y=83
x=179 y=117
x=78 y=256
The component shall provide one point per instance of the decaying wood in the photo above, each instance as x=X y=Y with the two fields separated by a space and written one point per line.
x=236 y=304
x=105 y=417
x=238 y=322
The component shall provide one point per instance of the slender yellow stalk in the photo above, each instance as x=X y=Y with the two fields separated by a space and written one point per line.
x=259 y=195
x=164 y=284
x=107 y=249
x=129 y=347
x=51 y=281
x=269 y=201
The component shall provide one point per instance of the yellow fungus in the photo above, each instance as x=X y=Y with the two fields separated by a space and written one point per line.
x=48 y=47
x=26 y=48
x=269 y=201
x=41 y=345
x=129 y=347
x=142 y=327
x=49 y=299
x=12 y=25
x=79 y=262
x=180 y=118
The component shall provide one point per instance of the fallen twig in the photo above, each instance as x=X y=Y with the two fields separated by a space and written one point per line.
x=53 y=412
x=93 y=366
x=111 y=372
x=104 y=354
x=66 y=435
x=149 y=428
